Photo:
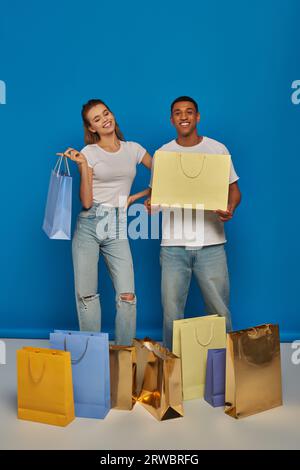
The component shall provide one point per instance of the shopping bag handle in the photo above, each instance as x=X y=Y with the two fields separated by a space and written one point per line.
x=185 y=173
x=210 y=338
x=255 y=333
x=76 y=361
x=58 y=165
x=36 y=380
x=256 y=329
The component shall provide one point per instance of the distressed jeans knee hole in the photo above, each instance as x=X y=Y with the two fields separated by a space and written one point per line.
x=88 y=298
x=122 y=298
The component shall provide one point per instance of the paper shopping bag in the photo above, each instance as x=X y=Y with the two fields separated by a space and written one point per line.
x=58 y=212
x=90 y=367
x=45 y=391
x=177 y=324
x=191 y=179
x=253 y=371
x=196 y=337
x=158 y=380
x=215 y=377
x=122 y=376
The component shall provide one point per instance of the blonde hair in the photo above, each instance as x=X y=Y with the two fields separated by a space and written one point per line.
x=89 y=136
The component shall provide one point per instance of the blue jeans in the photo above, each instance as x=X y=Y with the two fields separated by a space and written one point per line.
x=96 y=233
x=209 y=266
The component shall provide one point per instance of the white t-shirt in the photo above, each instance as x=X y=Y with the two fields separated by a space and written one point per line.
x=213 y=228
x=113 y=172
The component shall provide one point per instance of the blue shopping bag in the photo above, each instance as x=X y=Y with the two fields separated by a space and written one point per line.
x=215 y=377
x=90 y=370
x=58 y=212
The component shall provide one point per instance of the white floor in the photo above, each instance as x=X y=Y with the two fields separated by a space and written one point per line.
x=202 y=427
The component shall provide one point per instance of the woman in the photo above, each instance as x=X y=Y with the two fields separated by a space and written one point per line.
x=107 y=167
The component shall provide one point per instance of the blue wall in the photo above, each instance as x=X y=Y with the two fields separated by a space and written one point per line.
x=237 y=59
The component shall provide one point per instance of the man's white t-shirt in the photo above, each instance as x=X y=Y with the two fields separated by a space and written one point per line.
x=113 y=172
x=213 y=228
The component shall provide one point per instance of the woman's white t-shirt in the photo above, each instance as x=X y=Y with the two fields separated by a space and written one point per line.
x=113 y=172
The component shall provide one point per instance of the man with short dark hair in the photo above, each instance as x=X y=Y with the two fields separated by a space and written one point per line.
x=180 y=258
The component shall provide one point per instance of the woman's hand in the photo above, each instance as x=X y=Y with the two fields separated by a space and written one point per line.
x=135 y=197
x=74 y=155
x=130 y=200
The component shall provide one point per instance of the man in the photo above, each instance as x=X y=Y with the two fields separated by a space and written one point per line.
x=180 y=258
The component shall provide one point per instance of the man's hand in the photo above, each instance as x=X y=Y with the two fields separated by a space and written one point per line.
x=225 y=216
x=151 y=209
x=147 y=204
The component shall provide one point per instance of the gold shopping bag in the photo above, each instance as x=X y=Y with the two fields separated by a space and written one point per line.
x=253 y=371
x=122 y=377
x=45 y=389
x=190 y=179
x=158 y=380
x=192 y=337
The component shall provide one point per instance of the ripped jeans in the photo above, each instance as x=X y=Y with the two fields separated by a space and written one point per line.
x=100 y=230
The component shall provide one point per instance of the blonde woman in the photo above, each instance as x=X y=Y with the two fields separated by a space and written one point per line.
x=107 y=167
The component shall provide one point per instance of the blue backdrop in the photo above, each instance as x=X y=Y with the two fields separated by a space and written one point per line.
x=237 y=59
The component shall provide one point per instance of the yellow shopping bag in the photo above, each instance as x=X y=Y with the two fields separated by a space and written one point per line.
x=190 y=179
x=45 y=390
x=177 y=324
x=196 y=336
